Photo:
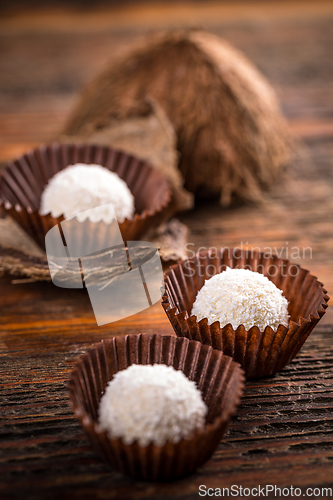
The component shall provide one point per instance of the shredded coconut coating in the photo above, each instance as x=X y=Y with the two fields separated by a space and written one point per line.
x=80 y=187
x=151 y=403
x=241 y=297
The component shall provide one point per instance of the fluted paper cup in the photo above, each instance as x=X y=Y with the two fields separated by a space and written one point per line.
x=24 y=180
x=218 y=377
x=261 y=353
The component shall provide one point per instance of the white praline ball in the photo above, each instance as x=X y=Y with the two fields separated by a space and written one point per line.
x=241 y=297
x=81 y=187
x=151 y=403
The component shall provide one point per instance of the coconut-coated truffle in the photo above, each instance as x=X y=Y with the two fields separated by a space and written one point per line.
x=81 y=187
x=151 y=404
x=241 y=297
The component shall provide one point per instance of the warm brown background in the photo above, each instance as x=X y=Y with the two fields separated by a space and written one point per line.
x=283 y=433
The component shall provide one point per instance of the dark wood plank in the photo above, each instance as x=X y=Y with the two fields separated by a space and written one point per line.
x=282 y=420
x=283 y=432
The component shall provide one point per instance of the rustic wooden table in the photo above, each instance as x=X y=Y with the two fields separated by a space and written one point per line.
x=283 y=432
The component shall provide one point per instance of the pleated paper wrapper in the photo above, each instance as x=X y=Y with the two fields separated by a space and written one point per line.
x=218 y=377
x=24 y=180
x=261 y=353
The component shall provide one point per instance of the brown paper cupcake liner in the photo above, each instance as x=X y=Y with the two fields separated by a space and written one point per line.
x=261 y=353
x=24 y=179
x=220 y=379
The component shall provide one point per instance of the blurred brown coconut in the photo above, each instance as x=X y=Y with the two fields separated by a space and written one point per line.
x=145 y=133
x=232 y=139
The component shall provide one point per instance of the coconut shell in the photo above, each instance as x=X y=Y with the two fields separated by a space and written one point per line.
x=148 y=135
x=231 y=136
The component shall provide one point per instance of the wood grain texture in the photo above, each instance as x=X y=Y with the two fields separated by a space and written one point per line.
x=283 y=431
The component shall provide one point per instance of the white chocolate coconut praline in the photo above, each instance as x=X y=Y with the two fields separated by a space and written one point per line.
x=151 y=404
x=241 y=297
x=81 y=187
